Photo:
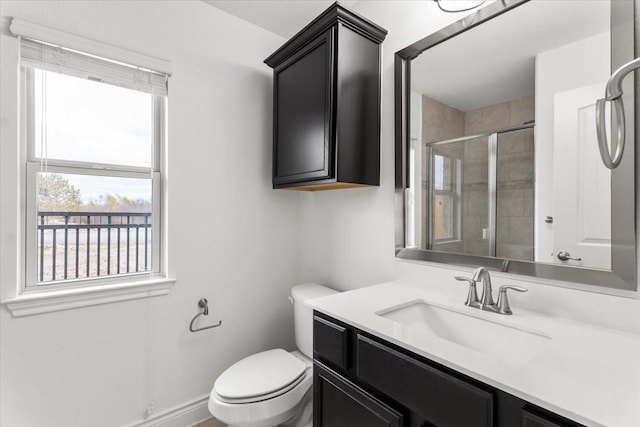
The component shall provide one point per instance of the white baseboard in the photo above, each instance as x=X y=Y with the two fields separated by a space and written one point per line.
x=182 y=416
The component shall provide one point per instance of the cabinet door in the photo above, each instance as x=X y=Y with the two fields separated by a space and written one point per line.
x=340 y=403
x=330 y=342
x=529 y=419
x=303 y=108
x=440 y=398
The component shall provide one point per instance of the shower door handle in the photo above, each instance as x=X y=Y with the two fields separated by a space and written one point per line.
x=566 y=256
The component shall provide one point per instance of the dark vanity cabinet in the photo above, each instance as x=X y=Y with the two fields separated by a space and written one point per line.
x=326 y=104
x=361 y=380
x=343 y=403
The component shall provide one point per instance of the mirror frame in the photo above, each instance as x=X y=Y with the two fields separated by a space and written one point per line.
x=623 y=179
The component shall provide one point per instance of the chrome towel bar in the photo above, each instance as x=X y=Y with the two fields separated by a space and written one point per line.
x=204 y=304
x=613 y=93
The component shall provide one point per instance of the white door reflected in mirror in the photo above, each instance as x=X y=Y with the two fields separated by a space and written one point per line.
x=582 y=184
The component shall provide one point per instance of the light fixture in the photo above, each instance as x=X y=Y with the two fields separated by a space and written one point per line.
x=455 y=10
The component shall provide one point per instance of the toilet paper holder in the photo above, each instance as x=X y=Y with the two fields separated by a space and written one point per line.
x=204 y=305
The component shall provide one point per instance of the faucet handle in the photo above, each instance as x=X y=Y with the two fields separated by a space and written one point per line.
x=503 y=302
x=472 y=297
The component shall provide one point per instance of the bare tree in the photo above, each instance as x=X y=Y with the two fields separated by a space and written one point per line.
x=55 y=193
x=117 y=203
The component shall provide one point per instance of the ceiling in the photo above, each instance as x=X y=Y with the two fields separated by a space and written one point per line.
x=282 y=17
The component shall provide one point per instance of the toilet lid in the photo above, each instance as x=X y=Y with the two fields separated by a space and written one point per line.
x=259 y=374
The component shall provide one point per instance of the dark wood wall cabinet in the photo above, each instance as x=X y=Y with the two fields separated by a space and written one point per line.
x=326 y=104
x=362 y=380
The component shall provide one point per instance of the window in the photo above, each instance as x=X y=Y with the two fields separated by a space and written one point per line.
x=446 y=198
x=94 y=132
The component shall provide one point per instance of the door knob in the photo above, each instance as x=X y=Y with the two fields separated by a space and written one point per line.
x=565 y=256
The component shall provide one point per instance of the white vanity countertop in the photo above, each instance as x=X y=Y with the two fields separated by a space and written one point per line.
x=586 y=373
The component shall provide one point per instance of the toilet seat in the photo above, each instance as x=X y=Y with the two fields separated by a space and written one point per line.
x=260 y=398
x=259 y=377
x=267 y=409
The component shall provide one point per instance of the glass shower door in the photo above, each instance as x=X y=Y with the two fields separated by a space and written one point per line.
x=480 y=195
x=458 y=193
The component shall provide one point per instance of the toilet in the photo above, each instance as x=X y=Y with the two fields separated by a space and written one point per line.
x=273 y=387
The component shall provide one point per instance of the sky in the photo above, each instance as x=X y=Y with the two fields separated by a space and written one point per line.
x=96 y=123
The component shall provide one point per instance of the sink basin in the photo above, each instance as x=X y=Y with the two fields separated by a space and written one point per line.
x=509 y=343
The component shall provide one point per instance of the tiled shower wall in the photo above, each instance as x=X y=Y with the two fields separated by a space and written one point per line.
x=515 y=189
x=515 y=195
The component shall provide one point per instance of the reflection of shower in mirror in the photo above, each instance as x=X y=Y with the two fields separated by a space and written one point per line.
x=477 y=183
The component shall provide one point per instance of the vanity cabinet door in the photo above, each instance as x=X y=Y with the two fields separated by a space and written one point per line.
x=443 y=400
x=529 y=419
x=330 y=342
x=340 y=403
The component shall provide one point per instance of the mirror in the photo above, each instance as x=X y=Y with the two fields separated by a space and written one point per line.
x=497 y=162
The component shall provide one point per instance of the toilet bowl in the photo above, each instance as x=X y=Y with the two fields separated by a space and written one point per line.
x=273 y=387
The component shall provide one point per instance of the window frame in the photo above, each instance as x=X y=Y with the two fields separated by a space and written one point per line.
x=45 y=299
x=453 y=193
x=31 y=166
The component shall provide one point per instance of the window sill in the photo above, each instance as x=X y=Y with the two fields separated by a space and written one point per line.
x=50 y=301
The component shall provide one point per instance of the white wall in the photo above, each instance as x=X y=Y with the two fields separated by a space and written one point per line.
x=103 y=365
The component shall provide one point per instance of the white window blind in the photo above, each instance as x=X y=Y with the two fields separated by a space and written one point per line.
x=41 y=55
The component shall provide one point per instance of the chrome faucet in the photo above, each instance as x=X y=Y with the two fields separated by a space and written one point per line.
x=486 y=302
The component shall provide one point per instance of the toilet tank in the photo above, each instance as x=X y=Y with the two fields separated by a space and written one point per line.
x=303 y=314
